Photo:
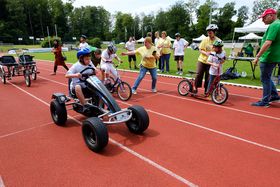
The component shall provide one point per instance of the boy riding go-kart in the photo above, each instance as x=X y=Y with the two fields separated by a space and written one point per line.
x=91 y=98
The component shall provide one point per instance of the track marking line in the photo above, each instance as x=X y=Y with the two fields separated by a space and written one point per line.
x=197 y=101
x=205 y=128
x=1 y=182
x=145 y=159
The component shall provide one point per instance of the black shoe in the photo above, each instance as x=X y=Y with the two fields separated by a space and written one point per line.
x=273 y=99
x=260 y=103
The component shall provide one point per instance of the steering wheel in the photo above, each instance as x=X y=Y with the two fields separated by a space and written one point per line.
x=86 y=75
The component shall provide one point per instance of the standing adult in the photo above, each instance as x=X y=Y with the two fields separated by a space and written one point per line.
x=83 y=42
x=205 y=49
x=130 y=46
x=179 y=46
x=148 y=63
x=157 y=39
x=269 y=56
x=165 y=45
x=59 y=59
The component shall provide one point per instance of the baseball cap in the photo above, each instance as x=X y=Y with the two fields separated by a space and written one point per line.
x=268 y=11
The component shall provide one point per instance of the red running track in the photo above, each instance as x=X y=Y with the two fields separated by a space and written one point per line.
x=189 y=141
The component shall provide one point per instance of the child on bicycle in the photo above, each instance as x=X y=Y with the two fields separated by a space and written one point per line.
x=107 y=64
x=216 y=59
x=78 y=87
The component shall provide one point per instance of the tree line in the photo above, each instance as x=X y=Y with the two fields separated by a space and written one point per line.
x=25 y=18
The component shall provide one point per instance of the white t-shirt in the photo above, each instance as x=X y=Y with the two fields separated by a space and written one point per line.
x=130 y=46
x=217 y=59
x=105 y=57
x=83 y=45
x=179 y=47
x=77 y=68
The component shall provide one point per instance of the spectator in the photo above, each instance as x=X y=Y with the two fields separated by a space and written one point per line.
x=179 y=46
x=165 y=45
x=83 y=43
x=205 y=49
x=269 y=56
x=248 y=50
x=148 y=63
x=157 y=39
x=130 y=46
x=59 y=59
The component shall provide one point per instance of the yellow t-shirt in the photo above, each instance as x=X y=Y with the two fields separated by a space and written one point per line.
x=144 y=52
x=206 y=45
x=166 y=44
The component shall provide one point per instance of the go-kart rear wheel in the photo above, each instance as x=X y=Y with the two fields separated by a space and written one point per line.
x=34 y=73
x=124 y=91
x=27 y=79
x=139 y=121
x=95 y=134
x=3 y=78
x=58 y=113
x=219 y=95
x=185 y=87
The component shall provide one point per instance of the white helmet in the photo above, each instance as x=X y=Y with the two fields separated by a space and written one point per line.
x=212 y=27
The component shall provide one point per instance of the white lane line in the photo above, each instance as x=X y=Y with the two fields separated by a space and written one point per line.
x=193 y=100
x=202 y=127
x=145 y=159
x=1 y=182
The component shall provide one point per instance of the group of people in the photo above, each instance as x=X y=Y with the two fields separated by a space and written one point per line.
x=210 y=60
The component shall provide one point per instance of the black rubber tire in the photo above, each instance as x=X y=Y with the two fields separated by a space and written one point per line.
x=34 y=73
x=139 y=121
x=95 y=134
x=58 y=113
x=3 y=78
x=185 y=87
x=128 y=91
x=27 y=79
x=223 y=93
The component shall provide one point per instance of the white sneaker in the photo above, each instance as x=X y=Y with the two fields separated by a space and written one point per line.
x=181 y=73
x=154 y=90
x=158 y=70
x=178 y=72
x=134 y=92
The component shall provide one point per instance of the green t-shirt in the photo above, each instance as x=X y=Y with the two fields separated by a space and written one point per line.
x=272 y=54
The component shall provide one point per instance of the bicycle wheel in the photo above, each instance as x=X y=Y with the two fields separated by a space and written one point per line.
x=124 y=91
x=185 y=87
x=219 y=95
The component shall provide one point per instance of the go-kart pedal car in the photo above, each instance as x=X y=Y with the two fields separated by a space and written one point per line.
x=101 y=109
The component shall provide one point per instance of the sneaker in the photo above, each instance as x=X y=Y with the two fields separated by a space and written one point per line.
x=158 y=70
x=178 y=72
x=273 y=99
x=134 y=92
x=181 y=73
x=260 y=103
x=154 y=90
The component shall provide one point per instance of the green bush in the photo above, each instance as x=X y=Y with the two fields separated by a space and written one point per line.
x=45 y=42
x=96 y=42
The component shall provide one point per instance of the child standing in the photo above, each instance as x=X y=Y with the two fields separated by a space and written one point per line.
x=216 y=59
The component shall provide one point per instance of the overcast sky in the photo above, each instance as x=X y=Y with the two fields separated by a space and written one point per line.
x=147 y=6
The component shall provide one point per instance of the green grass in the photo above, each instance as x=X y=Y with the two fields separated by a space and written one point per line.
x=190 y=62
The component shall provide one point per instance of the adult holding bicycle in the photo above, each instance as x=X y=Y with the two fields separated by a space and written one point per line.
x=149 y=55
x=205 y=49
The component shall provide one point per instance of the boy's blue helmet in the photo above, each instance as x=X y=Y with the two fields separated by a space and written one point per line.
x=83 y=52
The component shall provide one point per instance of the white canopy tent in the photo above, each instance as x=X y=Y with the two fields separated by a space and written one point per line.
x=256 y=27
x=250 y=36
x=141 y=40
x=200 y=38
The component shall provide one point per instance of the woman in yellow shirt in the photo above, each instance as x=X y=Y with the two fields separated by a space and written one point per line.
x=205 y=48
x=165 y=46
x=149 y=55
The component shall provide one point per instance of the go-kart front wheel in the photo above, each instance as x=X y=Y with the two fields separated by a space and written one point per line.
x=139 y=121
x=58 y=113
x=3 y=78
x=95 y=134
x=27 y=79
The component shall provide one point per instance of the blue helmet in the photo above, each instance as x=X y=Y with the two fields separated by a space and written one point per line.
x=83 y=52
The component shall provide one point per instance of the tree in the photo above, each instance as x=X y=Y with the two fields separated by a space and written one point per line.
x=242 y=16
x=260 y=5
x=191 y=7
x=161 y=20
x=123 y=26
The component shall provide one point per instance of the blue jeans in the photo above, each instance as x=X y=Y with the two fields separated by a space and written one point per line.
x=269 y=89
x=165 y=59
x=142 y=74
x=211 y=79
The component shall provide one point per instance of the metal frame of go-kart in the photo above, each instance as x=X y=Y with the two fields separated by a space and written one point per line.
x=94 y=129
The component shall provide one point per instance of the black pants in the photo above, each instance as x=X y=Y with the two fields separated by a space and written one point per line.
x=202 y=70
x=55 y=68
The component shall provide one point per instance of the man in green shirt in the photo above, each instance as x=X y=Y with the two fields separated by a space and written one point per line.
x=269 y=56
